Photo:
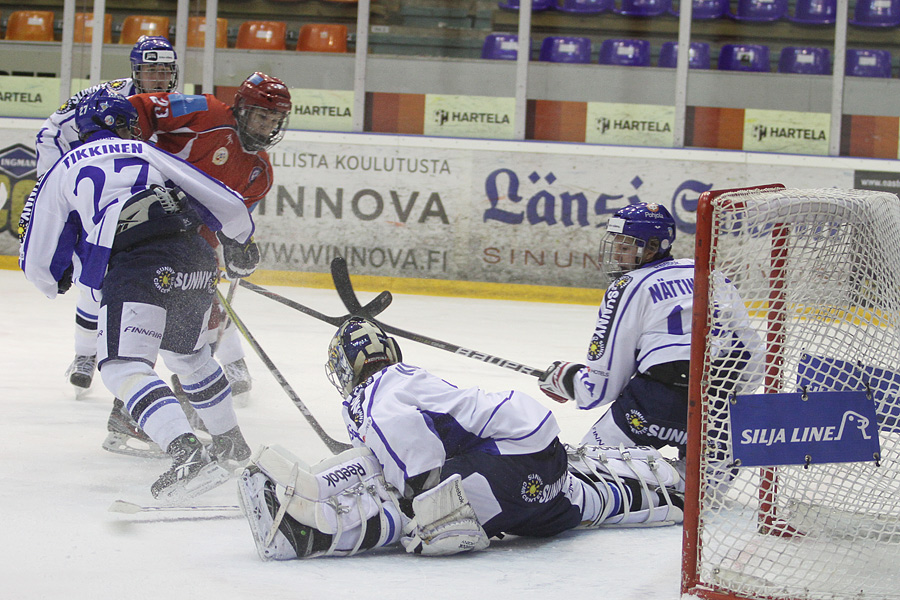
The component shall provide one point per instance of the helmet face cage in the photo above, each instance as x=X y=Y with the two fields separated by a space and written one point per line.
x=153 y=65
x=630 y=231
x=357 y=348
x=105 y=111
x=262 y=106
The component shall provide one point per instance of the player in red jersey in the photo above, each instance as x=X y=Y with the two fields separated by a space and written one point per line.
x=228 y=143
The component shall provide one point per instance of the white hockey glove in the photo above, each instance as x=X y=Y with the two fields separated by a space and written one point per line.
x=444 y=523
x=240 y=259
x=558 y=381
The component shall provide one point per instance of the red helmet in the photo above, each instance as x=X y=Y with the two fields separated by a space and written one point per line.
x=262 y=106
x=263 y=90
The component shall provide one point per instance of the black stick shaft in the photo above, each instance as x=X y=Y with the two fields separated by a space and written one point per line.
x=335 y=446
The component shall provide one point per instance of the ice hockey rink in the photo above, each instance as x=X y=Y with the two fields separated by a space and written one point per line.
x=60 y=540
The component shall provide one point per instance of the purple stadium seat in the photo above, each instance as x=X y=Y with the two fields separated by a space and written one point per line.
x=627 y=53
x=536 y=5
x=500 y=46
x=566 y=49
x=707 y=9
x=584 y=6
x=744 y=57
x=815 y=12
x=644 y=8
x=698 y=55
x=876 y=13
x=807 y=61
x=760 y=10
x=868 y=63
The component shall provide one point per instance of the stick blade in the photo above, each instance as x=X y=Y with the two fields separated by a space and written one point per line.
x=128 y=508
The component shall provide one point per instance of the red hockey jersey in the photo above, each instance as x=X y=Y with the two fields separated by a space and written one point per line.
x=201 y=130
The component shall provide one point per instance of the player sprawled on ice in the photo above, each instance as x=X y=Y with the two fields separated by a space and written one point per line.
x=440 y=469
x=638 y=357
x=130 y=213
x=153 y=69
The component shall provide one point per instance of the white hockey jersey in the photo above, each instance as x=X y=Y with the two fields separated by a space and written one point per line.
x=645 y=320
x=413 y=420
x=76 y=206
x=58 y=134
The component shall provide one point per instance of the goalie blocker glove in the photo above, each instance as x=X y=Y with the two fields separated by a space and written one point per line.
x=558 y=381
x=240 y=259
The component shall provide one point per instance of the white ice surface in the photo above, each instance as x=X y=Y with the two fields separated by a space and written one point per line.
x=56 y=483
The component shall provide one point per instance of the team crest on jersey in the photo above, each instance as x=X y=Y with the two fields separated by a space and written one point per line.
x=164 y=279
x=68 y=105
x=256 y=172
x=636 y=422
x=596 y=348
x=532 y=488
x=116 y=85
x=220 y=156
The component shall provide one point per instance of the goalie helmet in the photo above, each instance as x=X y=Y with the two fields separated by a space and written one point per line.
x=637 y=234
x=358 y=349
x=104 y=110
x=153 y=66
x=261 y=108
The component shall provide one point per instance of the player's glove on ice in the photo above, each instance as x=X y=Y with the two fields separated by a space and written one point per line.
x=240 y=259
x=558 y=381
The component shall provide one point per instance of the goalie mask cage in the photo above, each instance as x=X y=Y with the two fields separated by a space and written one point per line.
x=819 y=273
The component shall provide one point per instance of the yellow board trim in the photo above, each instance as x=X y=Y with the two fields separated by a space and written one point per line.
x=422 y=287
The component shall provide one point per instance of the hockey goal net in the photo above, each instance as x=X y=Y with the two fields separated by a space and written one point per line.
x=818 y=272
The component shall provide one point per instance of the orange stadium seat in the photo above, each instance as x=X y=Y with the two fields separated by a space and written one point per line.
x=84 y=28
x=320 y=37
x=135 y=26
x=262 y=35
x=196 y=36
x=30 y=26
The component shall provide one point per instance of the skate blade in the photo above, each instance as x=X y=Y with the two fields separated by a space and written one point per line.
x=119 y=443
x=209 y=477
x=80 y=392
x=241 y=400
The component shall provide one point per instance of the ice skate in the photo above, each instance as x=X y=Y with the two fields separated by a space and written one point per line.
x=286 y=541
x=193 y=472
x=81 y=373
x=230 y=449
x=126 y=437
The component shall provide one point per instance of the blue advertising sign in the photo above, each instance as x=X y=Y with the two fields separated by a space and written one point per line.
x=804 y=428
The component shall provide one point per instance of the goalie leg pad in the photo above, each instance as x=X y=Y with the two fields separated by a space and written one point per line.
x=444 y=523
x=344 y=498
x=642 y=488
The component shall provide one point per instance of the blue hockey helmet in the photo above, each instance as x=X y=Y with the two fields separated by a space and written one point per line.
x=359 y=349
x=153 y=65
x=104 y=110
x=637 y=234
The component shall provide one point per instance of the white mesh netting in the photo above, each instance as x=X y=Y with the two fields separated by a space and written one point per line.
x=819 y=271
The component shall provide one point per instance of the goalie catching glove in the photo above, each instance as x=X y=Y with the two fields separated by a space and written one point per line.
x=240 y=259
x=558 y=381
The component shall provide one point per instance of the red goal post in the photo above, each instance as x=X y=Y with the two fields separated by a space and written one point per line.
x=821 y=284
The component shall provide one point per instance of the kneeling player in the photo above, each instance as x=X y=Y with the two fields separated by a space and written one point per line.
x=441 y=469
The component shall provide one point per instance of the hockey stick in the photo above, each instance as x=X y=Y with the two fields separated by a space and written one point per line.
x=376 y=306
x=232 y=288
x=342 y=283
x=130 y=508
x=335 y=446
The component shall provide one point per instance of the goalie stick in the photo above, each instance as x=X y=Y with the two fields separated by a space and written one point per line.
x=335 y=446
x=344 y=287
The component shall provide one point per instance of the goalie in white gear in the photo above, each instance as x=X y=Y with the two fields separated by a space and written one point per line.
x=441 y=469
